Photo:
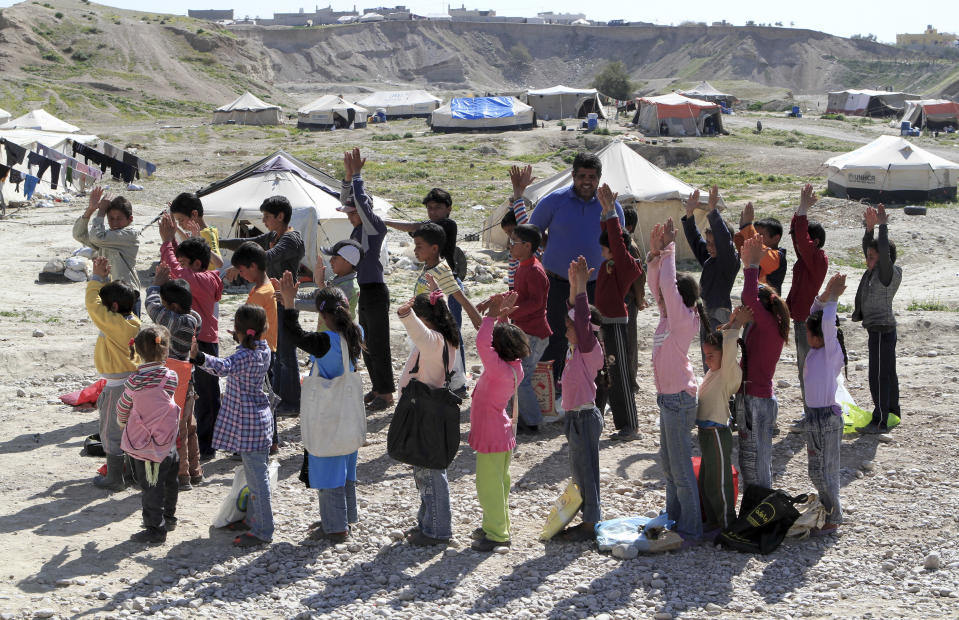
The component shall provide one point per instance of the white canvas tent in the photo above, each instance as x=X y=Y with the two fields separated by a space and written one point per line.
x=654 y=193
x=564 y=102
x=247 y=110
x=330 y=111
x=4 y=116
x=483 y=114
x=932 y=114
x=867 y=102
x=892 y=169
x=677 y=115
x=31 y=138
x=705 y=91
x=40 y=120
x=313 y=194
x=401 y=103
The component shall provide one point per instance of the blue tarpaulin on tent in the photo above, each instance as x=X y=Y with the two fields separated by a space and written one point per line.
x=481 y=107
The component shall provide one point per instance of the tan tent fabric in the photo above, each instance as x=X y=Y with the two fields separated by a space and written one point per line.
x=247 y=110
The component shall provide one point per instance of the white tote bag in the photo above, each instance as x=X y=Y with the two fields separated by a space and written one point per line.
x=332 y=415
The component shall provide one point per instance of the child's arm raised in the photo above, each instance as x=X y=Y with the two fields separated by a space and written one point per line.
x=803 y=243
x=314 y=343
x=625 y=266
x=693 y=236
x=579 y=274
x=725 y=248
x=885 y=256
x=167 y=229
x=667 y=274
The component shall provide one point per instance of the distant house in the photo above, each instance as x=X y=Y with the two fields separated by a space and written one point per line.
x=324 y=16
x=930 y=38
x=560 y=18
x=464 y=12
x=212 y=15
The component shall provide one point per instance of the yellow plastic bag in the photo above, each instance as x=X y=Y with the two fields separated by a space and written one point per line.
x=563 y=511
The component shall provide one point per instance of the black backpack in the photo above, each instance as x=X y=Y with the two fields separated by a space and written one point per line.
x=765 y=516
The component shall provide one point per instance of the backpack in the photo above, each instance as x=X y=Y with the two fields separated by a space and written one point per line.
x=765 y=516
x=152 y=427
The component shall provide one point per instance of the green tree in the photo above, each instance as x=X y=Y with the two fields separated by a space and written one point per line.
x=613 y=81
x=519 y=56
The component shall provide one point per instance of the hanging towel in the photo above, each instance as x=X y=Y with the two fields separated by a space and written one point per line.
x=29 y=185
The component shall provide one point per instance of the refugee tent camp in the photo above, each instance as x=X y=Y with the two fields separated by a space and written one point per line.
x=40 y=120
x=677 y=115
x=247 y=110
x=4 y=116
x=867 y=102
x=235 y=201
x=483 y=114
x=653 y=192
x=892 y=169
x=931 y=114
x=564 y=102
x=329 y=112
x=705 y=91
x=401 y=103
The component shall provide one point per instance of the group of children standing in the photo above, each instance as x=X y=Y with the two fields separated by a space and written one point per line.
x=169 y=370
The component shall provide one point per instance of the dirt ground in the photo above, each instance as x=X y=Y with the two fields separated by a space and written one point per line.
x=67 y=545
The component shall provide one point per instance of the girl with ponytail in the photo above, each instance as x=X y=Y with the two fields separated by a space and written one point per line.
x=245 y=422
x=334 y=477
x=756 y=404
x=681 y=313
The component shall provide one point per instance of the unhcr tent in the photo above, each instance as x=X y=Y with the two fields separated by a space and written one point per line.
x=483 y=114
x=654 y=193
x=564 y=102
x=247 y=110
x=867 y=102
x=931 y=114
x=4 y=116
x=401 y=103
x=705 y=91
x=892 y=169
x=676 y=115
x=40 y=120
x=330 y=112
x=313 y=194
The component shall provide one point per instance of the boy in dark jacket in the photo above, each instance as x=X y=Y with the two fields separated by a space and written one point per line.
x=874 y=308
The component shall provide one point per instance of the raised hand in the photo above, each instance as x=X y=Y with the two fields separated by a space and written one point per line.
x=752 y=251
x=194 y=349
x=669 y=232
x=579 y=273
x=319 y=271
x=807 y=198
x=521 y=178
x=288 y=289
x=741 y=316
x=191 y=228
x=353 y=162
x=406 y=308
x=835 y=287
x=431 y=282
x=94 y=201
x=881 y=216
x=656 y=239
x=167 y=228
x=607 y=198
x=101 y=267
x=870 y=217
x=508 y=304
x=692 y=203
x=713 y=197
x=232 y=273
x=747 y=216
x=162 y=275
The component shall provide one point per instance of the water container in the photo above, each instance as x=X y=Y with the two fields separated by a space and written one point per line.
x=592 y=121
x=381 y=115
x=905 y=127
x=796 y=110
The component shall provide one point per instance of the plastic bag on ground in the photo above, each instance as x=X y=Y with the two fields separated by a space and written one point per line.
x=234 y=505
x=642 y=534
x=563 y=511
x=812 y=515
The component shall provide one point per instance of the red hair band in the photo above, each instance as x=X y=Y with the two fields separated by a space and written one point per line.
x=251 y=332
x=434 y=295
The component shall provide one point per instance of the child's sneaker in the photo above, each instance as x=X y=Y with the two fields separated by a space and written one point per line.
x=150 y=536
x=169 y=523
x=184 y=482
x=485 y=545
x=195 y=480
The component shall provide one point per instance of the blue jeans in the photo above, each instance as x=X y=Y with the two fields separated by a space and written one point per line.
x=338 y=507
x=823 y=428
x=529 y=412
x=259 y=514
x=286 y=371
x=434 y=517
x=583 y=427
x=456 y=309
x=756 y=418
x=677 y=414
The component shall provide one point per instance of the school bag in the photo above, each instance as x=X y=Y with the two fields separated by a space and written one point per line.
x=151 y=430
x=765 y=516
x=425 y=429
x=332 y=415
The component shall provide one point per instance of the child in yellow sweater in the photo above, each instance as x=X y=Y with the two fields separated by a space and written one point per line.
x=110 y=305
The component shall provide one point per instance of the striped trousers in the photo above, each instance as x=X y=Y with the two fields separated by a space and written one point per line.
x=619 y=394
x=716 y=476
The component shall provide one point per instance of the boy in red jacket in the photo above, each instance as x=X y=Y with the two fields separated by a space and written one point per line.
x=616 y=276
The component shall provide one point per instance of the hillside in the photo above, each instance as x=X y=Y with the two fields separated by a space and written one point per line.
x=83 y=59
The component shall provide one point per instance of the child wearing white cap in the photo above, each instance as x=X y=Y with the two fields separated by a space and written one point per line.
x=344 y=256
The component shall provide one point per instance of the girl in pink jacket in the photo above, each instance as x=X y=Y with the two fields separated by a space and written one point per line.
x=501 y=348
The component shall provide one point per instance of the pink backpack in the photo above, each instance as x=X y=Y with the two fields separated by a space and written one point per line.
x=151 y=429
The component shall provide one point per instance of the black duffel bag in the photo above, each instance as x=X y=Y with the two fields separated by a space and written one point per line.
x=425 y=429
x=764 y=518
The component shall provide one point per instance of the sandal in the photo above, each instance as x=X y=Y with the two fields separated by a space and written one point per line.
x=368 y=397
x=378 y=404
x=248 y=540
x=237 y=526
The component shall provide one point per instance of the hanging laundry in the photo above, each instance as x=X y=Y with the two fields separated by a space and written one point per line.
x=120 y=170
x=4 y=171
x=15 y=152
x=88 y=171
x=29 y=185
x=16 y=177
x=91 y=154
x=136 y=161
x=42 y=163
x=131 y=160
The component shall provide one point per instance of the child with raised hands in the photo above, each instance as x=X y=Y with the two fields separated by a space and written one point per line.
x=583 y=421
x=874 y=308
x=150 y=419
x=822 y=423
x=334 y=477
x=245 y=422
x=433 y=330
x=501 y=347
x=681 y=313
x=756 y=405
x=712 y=420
